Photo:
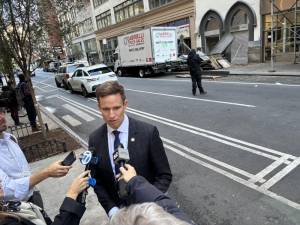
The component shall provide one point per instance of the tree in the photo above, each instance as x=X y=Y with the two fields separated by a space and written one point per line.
x=21 y=27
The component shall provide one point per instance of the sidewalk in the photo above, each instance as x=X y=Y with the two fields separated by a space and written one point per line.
x=263 y=69
x=53 y=190
x=258 y=69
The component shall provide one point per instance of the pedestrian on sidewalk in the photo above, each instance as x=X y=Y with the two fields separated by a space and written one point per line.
x=23 y=90
x=9 y=93
x=15 y=176
x=194 y=63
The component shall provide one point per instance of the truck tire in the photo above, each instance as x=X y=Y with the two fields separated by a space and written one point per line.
x=119 y=73
x=141 y=73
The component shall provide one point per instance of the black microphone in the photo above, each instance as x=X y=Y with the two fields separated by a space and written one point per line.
x=87 y=158
x=120 y=157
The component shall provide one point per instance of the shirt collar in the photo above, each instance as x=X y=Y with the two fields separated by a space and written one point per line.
x=123 y=127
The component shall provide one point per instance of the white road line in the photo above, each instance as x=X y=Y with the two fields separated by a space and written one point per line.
x=259 y=177
x=210 y=159
x=141 y=113
x=214 y=168
x=236 y=178
x=277 y=177
x=188 y=80
x=71 y=120
x=39 y=88
x=197 y=99
x=51 y=96
x=79 y=113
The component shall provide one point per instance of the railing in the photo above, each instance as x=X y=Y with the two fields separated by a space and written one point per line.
x=44 y=150
x=23 y=130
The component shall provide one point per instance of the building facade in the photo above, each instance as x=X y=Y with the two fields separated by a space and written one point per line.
x=232 y=27
x=98 y=23
x=118 y=17
x=286 y=30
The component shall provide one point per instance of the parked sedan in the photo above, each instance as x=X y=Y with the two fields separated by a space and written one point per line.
x=65 y=72
x=86 y=79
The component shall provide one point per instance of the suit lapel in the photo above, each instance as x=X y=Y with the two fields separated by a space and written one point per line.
x=103 y=149
x=132 y=136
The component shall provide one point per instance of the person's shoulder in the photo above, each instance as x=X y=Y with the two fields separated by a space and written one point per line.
x=99 y=131
x=140 y=125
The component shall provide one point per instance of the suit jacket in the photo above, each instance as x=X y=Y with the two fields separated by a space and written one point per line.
x=141 y=191
x=147 y=156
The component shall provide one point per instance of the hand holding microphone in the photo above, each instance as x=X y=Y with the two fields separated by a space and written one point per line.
x=128 y=172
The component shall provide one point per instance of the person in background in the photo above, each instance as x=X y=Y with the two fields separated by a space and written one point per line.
x=24 y=89
x=9 y=93
x=194 y=62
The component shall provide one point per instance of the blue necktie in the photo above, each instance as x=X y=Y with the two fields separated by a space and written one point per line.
x=116 y=144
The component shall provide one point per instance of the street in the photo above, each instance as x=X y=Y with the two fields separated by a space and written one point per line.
x=234 y=152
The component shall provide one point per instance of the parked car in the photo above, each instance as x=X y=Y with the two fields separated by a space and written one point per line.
x=86 y=79
x=64 y=73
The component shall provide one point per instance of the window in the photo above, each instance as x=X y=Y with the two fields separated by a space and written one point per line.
x=99 y=71
x=99 y=2
x=128 y=9
x=79 y=73
x=157 y=3
x=108 y=50
x=103 y=20
x=86 y=26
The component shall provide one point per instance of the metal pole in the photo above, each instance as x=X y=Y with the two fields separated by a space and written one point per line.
x=272 y=38
x=295 y=32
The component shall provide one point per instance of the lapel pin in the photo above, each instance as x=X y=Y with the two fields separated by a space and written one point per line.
x=132 y=139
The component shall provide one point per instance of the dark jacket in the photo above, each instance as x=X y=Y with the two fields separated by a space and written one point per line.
x=194 y=62
x=141 y=191
x=147 y=156
x=10 y=95
x=70 y=213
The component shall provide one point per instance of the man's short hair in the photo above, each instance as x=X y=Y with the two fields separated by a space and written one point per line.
x=145 y=214
x=110 y=88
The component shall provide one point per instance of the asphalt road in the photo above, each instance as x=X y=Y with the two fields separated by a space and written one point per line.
x=234 y=152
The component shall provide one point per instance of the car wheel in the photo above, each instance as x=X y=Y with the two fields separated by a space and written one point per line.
x=84 y=92
x=141 y=73
x=57 y=83
x=65 y=85
x=119 y=73
x=70 y=88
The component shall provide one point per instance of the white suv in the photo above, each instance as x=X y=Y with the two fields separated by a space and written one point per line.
x=86 y=79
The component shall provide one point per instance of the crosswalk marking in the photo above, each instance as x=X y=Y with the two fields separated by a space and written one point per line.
x=79 y=113
x=71 y=120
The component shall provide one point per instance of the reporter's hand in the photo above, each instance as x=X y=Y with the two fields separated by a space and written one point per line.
x=78 y=185
x=127 y=173
x=57 y=170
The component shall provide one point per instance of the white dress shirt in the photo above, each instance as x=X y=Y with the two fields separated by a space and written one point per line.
x=123 y=136
x=14 y=170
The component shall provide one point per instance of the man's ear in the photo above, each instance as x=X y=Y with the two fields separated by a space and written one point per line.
x=125 y=103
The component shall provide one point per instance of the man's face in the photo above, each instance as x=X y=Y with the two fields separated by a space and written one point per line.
x=112 y=108
x=3 y=125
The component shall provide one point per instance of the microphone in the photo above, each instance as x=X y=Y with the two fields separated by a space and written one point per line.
x=120 y=157
x=88 y=158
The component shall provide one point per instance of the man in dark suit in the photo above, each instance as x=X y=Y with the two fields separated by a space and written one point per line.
x=142 y=140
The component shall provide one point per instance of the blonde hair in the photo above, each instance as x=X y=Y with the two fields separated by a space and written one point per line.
x=145 y=214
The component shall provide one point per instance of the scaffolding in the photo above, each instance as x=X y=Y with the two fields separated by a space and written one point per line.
x=294 y=28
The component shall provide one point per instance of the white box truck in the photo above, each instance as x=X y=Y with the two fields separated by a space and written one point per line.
x=146 y=52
